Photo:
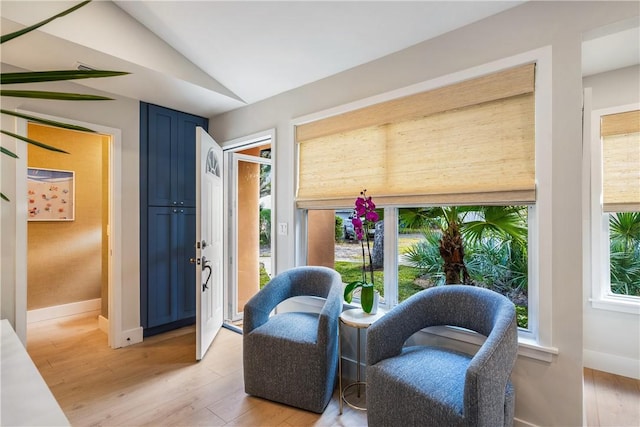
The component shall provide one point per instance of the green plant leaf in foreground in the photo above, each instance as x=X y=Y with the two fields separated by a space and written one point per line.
x=34 y=142
x=8 y=153
x=26 y=30
x=47 y=122
x=58 y=75
x=61 y=96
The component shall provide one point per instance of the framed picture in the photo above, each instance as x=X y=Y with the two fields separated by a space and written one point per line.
x=50 y=194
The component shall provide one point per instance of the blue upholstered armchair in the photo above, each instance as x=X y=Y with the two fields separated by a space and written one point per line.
x=435 y=386
x=292 y=357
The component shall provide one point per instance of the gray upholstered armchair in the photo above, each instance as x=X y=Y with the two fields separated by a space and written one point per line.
x=435 y=386
x=292 y=357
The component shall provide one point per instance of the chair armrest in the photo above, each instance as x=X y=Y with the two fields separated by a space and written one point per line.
x=490 y=368
x=328 y=321
x=386 y=337
x=260 y=306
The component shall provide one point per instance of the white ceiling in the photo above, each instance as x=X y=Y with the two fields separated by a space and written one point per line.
x=208 y=57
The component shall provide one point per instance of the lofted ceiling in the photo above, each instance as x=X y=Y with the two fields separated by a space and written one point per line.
x=209 y=57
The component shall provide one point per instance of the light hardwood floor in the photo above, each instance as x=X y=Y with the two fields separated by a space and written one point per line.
x=158 y=383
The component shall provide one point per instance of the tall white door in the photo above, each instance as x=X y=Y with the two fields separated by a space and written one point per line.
x=209 y=232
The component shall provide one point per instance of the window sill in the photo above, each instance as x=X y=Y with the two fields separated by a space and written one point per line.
x=617 y=303
x=527 y=347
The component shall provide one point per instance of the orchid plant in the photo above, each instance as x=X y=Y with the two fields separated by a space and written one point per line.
x=364 y=218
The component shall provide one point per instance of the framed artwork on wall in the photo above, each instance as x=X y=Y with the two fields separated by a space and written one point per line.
x=50 y=194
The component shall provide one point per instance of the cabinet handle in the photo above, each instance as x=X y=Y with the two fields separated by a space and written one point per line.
x=175 y=211
x=182 y=203
x=175 y=203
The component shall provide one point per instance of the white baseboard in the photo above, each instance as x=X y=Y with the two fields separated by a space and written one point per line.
x=103 y=324
x=606 y=362
x=130 y=337
x=517 y=422
x=56 y=311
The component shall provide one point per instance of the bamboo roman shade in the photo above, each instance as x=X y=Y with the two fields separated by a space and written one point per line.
x=467 y=143
x=620 y=135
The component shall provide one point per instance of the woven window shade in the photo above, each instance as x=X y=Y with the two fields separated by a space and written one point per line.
x=468 y=143
x=621 y=161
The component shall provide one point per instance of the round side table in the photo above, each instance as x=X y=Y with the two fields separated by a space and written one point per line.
x=358 y=319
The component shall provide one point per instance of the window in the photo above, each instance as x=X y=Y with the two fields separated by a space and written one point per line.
x=492 y=239
x=451 y=146
x=615 y=208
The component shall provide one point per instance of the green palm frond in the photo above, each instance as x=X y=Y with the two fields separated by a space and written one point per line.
x=8 y=153
x=34 y=142
x=53 y=76
x=26 y=30
x=60 y=96
x=504 y=221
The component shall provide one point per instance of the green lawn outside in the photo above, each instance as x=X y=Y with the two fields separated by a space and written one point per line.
x=352 y=271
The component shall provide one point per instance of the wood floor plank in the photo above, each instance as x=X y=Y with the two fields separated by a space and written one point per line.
x=590 y=398
x=159 y=383
x=618 y=400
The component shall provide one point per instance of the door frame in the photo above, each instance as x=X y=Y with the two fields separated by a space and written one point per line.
x=115 y=226
x=232 y=146
x=233 y=158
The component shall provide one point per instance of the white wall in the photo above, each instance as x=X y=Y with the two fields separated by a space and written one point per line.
x=611 y=338
x=547 y=393
x=121 y=113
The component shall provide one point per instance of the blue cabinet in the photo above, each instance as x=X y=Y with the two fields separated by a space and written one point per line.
x=170 y=280
x=171 y=157
x=167 y=217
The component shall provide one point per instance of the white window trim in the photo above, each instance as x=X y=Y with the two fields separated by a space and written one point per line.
x=536 y=342
x=601 y=295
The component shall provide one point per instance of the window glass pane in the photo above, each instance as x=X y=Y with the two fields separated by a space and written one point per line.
x=358 y=260
x=624 y=250
x=483 y=246
x=332 y=242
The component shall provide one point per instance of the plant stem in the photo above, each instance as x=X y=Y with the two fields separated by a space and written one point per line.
x=366 y=229
x=364 y=265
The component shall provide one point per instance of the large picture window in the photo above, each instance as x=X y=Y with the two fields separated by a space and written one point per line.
x=453 y=173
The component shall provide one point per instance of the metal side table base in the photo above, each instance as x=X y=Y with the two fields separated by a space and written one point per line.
x=355 y=318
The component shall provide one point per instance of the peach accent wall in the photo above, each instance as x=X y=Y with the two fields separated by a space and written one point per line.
x=321 y=238
x=248 y=232
x=65 y=259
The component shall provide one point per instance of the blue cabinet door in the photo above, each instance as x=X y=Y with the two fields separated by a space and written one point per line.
x=162 y=272
x=186 y=250
x=171 y=276
x=162 y=156
x=171 y=157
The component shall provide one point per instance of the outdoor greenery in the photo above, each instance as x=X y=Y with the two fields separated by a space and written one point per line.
x=265 y=227
x=352 y=271
x=477 y=245
x=624 y=234
x=338 y=233
x=264 y=276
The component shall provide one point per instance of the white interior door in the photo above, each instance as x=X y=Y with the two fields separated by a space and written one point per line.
x=209 y=232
